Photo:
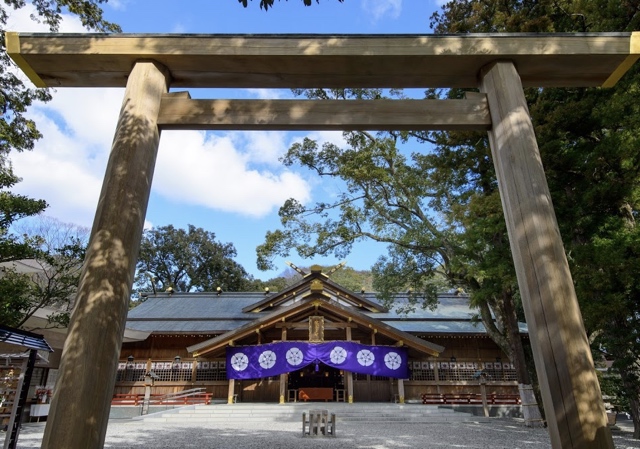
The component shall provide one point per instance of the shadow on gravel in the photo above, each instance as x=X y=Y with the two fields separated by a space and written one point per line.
x=495 y=434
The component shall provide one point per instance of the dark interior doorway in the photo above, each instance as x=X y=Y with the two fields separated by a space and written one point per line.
x=324 y=376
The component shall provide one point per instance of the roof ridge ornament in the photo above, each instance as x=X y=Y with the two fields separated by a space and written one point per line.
x=336 y=268
x=299 y=270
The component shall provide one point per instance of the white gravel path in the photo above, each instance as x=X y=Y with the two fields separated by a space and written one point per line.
x=496 y=434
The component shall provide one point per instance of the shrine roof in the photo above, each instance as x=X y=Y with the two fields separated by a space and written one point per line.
x=208 y=312
x=330 y=61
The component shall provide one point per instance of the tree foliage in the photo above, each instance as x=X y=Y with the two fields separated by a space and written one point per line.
x=266 y=4
x=20 y=296
x=418 y=202
x=589 y=140
x=188 y=260
x=48 y=278
x=18 y=133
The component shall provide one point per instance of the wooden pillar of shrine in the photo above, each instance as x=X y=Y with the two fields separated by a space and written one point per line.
x=348 y=375
x=283 y=376
x=401 y=391
x=568 y=383
x=83 y=392
x=231 y=392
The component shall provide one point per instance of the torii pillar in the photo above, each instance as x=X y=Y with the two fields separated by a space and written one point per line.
x=80 y=406
x=568 y=383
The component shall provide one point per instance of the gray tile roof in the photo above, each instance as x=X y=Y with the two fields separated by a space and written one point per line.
x=207 y=312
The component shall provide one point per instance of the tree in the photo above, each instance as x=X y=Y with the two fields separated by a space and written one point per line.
x=588 y=140
x=426 y=208
x=266 y=4
x=12 y=208
x=48 y=279
x=18 y=133
x=188 y=260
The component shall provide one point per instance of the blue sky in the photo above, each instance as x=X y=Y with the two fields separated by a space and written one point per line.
x=230 y=183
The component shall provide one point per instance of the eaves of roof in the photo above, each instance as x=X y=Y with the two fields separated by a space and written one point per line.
x=321 y=304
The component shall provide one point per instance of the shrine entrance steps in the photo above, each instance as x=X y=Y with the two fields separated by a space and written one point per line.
x=292 y=412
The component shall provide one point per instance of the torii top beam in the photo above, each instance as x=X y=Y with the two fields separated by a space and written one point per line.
x=332 y=61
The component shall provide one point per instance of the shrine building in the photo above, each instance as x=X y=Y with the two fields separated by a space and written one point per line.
x=315 y=340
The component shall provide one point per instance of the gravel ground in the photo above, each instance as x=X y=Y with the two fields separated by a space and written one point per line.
x=498 y=433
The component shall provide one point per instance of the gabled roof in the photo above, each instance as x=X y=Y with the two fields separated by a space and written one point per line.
x=208 y=313
x=321 y=303
x=303 y=288
x=226 y=316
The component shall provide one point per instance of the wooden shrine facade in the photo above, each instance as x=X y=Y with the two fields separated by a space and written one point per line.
x=446 y=350
x=498 y=65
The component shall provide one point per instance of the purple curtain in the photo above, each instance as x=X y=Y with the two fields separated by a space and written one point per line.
x=254 y=362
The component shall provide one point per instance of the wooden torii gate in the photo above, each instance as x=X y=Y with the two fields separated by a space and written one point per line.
x=499 y=64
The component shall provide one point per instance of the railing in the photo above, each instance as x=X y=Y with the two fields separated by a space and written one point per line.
x=167 y=371
x=461 y=371
x=471 y=398
x=187 y=397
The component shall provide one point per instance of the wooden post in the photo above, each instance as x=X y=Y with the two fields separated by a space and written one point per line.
x=194 y=371
x=401 y=391
x=232 y=391
x=283 y=377
x=483 y=394
x=348 y=374
x=568 y=383
x=82 y=397
x=283 y=387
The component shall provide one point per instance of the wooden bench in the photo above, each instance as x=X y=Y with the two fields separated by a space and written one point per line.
x=319 y=423
x=504 y=399
x=127 y=399
x=469 y=398
x=432 y=398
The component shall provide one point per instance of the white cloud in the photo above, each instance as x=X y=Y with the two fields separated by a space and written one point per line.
x=269 y=94
x=379 y=9
x=179 y=28
x=208 y=170
x=119 y=5
x=236 y=173
x=262 y=146
x=67 y=165
x=221 y=173
x=20 y=20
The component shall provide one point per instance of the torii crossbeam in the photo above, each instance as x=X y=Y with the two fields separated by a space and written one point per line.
x=498 y=64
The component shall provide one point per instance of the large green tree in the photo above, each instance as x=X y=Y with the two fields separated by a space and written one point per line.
x=48 y=278
x=589 y=143
x=589 y=140
x=19 y=133
x=188 y=260
x=423 y=205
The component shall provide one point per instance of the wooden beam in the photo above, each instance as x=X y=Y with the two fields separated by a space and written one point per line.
x=184 y=114
x=568 y=383
x=308 y=61
x=305 y=325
